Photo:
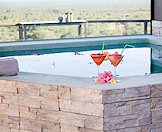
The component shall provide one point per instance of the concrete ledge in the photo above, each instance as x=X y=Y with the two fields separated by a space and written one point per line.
x=81 y=82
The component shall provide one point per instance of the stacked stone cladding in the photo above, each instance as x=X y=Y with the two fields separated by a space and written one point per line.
x=31 y=107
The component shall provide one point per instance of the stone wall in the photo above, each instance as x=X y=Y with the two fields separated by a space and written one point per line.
x=30 y=107
x=136 y=109
x=27 y=107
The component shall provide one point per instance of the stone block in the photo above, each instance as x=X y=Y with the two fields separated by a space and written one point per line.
x=14 y=130
x=51 y=127
x=28 y=89
x=68 y=128
x=5 y=129
x=132 y=129
x=23 y=100
x=156 y=130
x=128 y=121
x=38 y=126
x=137 y=92
x=156 y=104
x=156 y=91
x=10 y=98
x=49 y=91
x=72 y=119
x=86 y=95
x=13 y=110
x=1 y=99
x=10 y=110
x=64 y=92
x=30 y=101
x=30 y=125
x=156 y=116
x=81 y=107
x=93 y=122
x=118 y=109
x=88 y=130
x=9 y=122
x=50 y=104
x=27 y=112
x=3 y=108
x=39 y=114
x=47 y=115
x=78 y=120
x=117 y=95
x=13 y=122
x=127 y=114
x=80 y=94
x=3 y=120
x=51 y=130
x=156 y=127
x=8 y=86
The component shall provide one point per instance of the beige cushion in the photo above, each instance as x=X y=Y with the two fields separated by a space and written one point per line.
x=8 y=67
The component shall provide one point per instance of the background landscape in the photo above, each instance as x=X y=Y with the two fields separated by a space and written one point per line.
x=49 y=10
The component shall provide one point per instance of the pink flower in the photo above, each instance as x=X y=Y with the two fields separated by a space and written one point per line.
x=106 y=77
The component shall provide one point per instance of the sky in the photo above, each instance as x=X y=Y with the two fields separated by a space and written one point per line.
x=77 y=3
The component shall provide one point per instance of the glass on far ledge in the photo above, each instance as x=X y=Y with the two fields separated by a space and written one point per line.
x=98 y=59
x=115 y=59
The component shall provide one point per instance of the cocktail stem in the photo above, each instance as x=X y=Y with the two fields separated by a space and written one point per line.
x=98 y=70
x=115 y=73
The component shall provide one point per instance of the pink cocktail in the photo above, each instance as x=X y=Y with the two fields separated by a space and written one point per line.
x=115 y=59
x=98 y=59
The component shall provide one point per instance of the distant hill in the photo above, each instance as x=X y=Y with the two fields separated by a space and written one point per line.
x=111 y=4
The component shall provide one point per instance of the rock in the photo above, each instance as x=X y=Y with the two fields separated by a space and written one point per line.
x=8 y=67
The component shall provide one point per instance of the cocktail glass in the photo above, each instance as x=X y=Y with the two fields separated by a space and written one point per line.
x=98 y=59
x=115 y=59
